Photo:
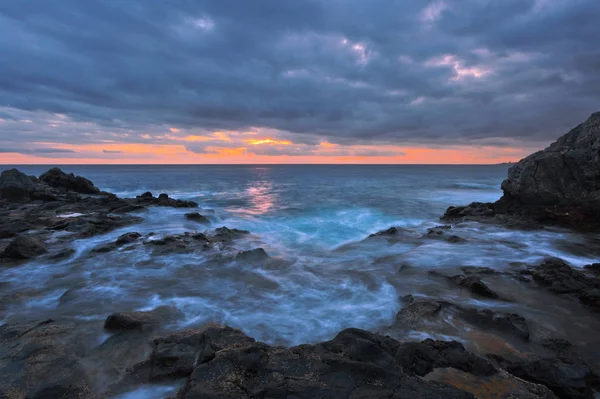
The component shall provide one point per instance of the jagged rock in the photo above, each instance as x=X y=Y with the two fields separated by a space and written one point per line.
x=225 y=234
x=417 y=310
x=177 y=354
x=594 y=268
x=475 y=285
x=15 y=186
x=25 y=247
x=128 y=238
x=567 y=172
x=197 y=217
x=181 y=243
x=69 y=182
x=559 y=277
x=251 y=256
x=38 y=360
x=511 y=323
x=566 y=380
x=392 y=231
x=136 y=320
x=441 y=232
x=146 y=195
x=163 y=199
x=473 y=211
x=421 y=358
x=89 y=226
x=356 y=364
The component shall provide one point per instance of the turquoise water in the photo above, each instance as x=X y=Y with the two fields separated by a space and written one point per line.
x=312 y=220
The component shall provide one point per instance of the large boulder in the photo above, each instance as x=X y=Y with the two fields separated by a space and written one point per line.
x=39 y=360
x=567 y=172
x=25 y=247
x=15 y=186
x=58 y=179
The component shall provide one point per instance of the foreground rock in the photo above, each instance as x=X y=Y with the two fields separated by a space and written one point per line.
x=418 y=312
x=25 y=247
x=556 y=186
x=15 y=186
x=38 y=360
x=356 y=364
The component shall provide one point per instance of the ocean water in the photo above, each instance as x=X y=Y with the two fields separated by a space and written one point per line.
x=313 y=220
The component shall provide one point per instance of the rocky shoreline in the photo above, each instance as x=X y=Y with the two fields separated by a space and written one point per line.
x=41 y=218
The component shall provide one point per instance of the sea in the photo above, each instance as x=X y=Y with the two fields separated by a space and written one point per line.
x=315 y=220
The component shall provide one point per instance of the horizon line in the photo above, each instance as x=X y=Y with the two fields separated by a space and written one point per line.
x=259 y=164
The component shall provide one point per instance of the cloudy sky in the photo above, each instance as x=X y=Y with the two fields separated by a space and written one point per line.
x=270 y=81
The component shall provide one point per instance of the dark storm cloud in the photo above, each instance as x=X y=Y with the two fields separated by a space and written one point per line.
x=352 y=71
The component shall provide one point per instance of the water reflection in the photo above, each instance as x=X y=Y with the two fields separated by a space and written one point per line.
x=260 y=192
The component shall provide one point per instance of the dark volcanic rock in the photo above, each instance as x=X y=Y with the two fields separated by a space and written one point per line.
x=557 y=186
x=181 y=243
x=253 y=255
x=38 y=360
x=473 y=211
x=422 y=357
x=69 y=182
x=566 y=380
x=196 y=217
x=136 y=320
x=417 y=310
x=441 y=232
x=25 y=247
x=511 y=323
x=15 y=186
x=594 y=268
x=176 y=355
x=128 y=238
x=475 y=285
x=567 y=172
x=559 y=277
x=225 y=234
x=392 y=231
x=356 y=364
x=163 y=199
x=146 y=195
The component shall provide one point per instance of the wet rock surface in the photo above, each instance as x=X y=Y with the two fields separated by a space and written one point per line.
x=197 y=217
x=33 y=209
x=560 y=278
x=38 y=360
x=25 y=247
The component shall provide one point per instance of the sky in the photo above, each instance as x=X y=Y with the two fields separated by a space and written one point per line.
x=305 y=81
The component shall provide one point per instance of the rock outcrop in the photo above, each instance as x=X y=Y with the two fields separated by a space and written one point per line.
x=69 y=182
x=567 y=172
x=15 y=186
x=559 y=185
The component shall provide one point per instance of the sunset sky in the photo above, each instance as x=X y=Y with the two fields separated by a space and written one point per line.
x=276 y=81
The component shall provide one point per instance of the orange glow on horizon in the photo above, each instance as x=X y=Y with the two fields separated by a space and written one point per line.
x=325 y=153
